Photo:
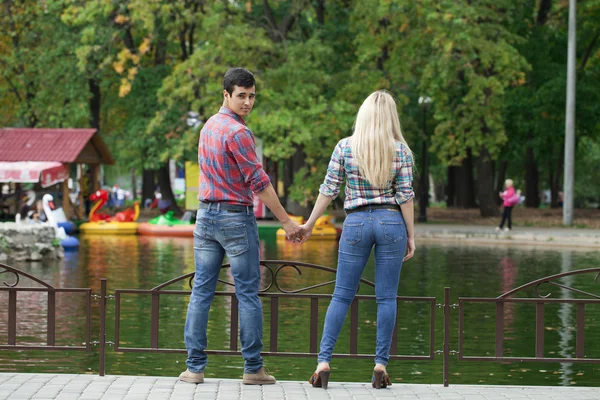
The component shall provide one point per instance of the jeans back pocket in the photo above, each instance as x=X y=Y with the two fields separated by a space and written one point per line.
x=235 y=239
x=393 y=231
x=352 y=232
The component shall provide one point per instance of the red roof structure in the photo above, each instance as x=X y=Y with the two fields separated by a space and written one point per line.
x=62 y=145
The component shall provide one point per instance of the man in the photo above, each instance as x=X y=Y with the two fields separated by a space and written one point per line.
x=230 y=174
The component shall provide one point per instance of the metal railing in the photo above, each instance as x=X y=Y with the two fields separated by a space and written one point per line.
x=540 y=327
x=13 y=291
x=274 y=291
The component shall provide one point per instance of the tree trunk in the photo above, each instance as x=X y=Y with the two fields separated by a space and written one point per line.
x=160 y=54
x=543 y=11
x=164 y=182
x=553 y=194
x=465 y=188
x=553 y=183
x=320 y=8
x=150 y=176
x=296 y=162
x=485 y=182
x=148 y=184
x=451 y=187
x=95 y=102
x=133 y=184
x=423 y=182
x=501 y=177
x=438 y=189
x=288 y=180
x=278 y=31
x=532 y=195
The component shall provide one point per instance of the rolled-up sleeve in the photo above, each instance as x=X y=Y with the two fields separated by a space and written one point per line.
x=242 y=147
x=335 y=174
x=404 y=177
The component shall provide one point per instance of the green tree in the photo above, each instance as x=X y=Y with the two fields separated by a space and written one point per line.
x=535 y=112
x=136 y=68
x=40 y=84
x=473 y=62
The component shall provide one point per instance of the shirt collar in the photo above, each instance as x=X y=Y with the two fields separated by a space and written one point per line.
x=227 y=111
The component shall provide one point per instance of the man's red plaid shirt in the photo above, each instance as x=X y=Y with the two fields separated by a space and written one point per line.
x=230 y=171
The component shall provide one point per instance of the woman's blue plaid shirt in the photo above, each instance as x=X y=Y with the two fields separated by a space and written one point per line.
x=359 y=192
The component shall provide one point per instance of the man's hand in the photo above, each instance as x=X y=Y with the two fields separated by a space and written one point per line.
x=410 y=249
x=292 y=230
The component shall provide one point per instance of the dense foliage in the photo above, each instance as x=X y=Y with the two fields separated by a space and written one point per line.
x=494 y=69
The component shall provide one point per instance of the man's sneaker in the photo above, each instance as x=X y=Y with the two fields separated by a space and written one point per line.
x=506 y=229
x=191 y=377
x=261 y=377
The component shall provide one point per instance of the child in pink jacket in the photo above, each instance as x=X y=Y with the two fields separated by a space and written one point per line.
x=509 y=198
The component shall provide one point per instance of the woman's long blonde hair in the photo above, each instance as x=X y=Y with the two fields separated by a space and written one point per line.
x=376 y=131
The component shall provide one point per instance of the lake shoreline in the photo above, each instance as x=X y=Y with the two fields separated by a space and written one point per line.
x=569 y=237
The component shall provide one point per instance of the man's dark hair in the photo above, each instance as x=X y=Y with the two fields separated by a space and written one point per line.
x=238 y=77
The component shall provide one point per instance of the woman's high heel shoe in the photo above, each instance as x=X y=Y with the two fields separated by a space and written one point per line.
x=380 y=379
x=320 y=379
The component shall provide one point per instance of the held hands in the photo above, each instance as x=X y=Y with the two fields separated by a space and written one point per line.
x=410 y=249
x=306 y=230
x=292 y=229
x=296 y=233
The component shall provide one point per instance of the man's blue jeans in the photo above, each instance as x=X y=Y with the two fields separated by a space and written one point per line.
x=385 y=230
x=221 y=231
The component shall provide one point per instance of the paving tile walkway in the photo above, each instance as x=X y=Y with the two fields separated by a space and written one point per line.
x=92 y=387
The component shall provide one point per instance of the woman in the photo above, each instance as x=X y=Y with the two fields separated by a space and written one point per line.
x=377 y=164
x=508 y=201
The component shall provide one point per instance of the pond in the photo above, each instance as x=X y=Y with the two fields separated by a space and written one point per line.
x=130 y=262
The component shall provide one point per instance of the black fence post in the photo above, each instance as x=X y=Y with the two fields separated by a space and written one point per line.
x=446 y=335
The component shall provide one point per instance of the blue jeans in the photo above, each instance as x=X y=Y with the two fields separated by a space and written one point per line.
x=385 y=230
x=218 y=232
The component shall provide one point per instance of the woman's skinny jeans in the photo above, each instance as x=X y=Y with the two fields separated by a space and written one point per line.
x=362 y=230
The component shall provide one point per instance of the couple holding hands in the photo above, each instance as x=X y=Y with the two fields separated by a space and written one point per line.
x=377 y=165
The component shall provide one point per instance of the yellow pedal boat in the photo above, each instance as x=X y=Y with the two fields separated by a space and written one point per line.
x=110 y=228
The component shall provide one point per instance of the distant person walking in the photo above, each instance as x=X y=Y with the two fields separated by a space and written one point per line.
x=230 y=175
x=510 y=199
x=377 y=165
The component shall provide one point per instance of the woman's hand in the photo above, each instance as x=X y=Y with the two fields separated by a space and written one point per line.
x=410 y=249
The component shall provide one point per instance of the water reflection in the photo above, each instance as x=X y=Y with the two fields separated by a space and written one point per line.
x=565 y=314
x=145 y=262
x=508 y=274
